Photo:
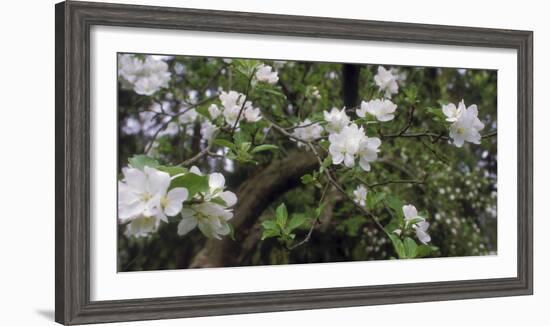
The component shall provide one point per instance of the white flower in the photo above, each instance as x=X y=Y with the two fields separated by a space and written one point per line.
x=264 y=73
x=383 y=110
x=467 y=126
x=345 y=145
x=214 y=111
x=368 y=151
x=141 y=226
x=216 y=184
x=360 y=194
x=231 y=98
x=145 y=77
x=189 y=116
x=308 y=133
x=211 y=219
x=250 y=113
x=207 y=130
x=210 y=216
x=452 y=112
x=420 y=227
x=232 y=103
x=337 y=120
x=144 y=194
x=230 y=114
x=386 y=81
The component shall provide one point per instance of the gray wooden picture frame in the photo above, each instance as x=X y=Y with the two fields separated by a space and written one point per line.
x=72 y=172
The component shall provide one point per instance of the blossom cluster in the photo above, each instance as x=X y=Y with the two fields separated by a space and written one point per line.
x=465 y=125
x=144 y=76
x=144 y=200
x=266 y=74
x=386 y=80
x=418 y=223
x=307 y=131
x=213 y=212
x=232 y=103
x=352 y=143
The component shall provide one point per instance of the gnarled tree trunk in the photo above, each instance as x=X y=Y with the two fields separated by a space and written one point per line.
x=255 y=195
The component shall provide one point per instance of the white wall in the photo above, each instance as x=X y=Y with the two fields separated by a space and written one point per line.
x=27 y=160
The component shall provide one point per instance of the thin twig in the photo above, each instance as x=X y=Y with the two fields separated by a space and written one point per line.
x=244 y=102
x=384 y=183
x=313 y=224
x=200 y=154
x=409 y=122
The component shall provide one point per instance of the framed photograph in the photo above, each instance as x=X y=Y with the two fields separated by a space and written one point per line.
x=215 y=162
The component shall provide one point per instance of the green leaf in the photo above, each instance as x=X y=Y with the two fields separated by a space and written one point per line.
x=225 y=143
x=270 y=233
x=396 y=205
x=307 y=179
x=392 y=226
x=326 y=163
x=270 y=225
x=373 y=198
x=410 y=247
x=231 y=231
x=438 y=114
x=398 y=246
x=282 y=215
x=295 y=222
x=192 y=182
x=245 y=146
x=140 y=161
x=172 y=170
x=203 y=110
x=425 y=250
x=265 y=147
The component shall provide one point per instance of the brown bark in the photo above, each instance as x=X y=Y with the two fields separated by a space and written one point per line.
x=255 y=195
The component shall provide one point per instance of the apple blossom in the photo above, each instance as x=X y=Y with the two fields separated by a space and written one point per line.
x=210 y=218
x=251 y=114
x=452 y=112
x=386 y=81
x=145 y=77
x=232 y=103
x=383 y=110
x=214 y=111
x=141 y=226
x=368 y=151
x=466 y=125
x=337 y=120
x=419 y=223
x=360 y=194
x=212 y=214
x=216 y=184
x=351 y=143
x=144 y=194
x=208 y=130
x=264 y=73
x=307 y=131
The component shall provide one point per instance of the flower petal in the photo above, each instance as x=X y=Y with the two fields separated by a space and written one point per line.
x=186 y=225
x=410 y=212
x=174 y=201
x=229 y=198
x=216 y=181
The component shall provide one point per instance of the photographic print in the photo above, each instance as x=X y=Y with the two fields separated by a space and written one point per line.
x=228 y=162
